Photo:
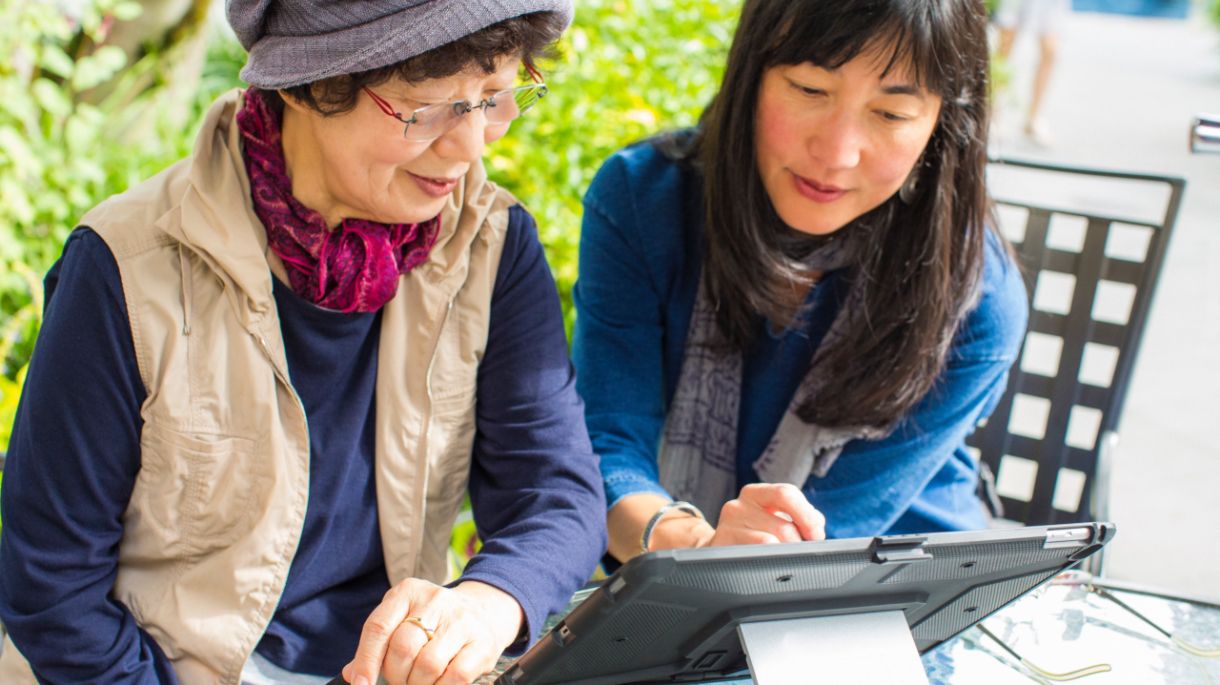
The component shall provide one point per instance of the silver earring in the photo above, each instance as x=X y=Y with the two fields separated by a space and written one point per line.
x=910 y=187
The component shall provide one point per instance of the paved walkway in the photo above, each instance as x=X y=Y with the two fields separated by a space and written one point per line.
x=1122 y=97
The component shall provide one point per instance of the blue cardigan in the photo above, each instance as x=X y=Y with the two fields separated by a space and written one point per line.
x=75 y=455
x=640 y=256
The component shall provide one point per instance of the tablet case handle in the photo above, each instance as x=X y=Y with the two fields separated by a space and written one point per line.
x=899 y=549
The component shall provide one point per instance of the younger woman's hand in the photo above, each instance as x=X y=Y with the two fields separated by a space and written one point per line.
x=768 y=513
x=453 y=635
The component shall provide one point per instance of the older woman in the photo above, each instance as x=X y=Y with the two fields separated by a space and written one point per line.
x=791 y=317
x=268 y=376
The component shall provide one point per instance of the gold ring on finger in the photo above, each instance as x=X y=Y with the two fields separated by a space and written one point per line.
x=419 y=623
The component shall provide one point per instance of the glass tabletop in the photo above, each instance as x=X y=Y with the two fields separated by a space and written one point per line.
x=1069 y=624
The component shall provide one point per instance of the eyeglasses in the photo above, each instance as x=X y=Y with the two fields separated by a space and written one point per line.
x=434 y=121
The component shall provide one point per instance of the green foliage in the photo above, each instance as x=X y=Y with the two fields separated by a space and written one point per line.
x=626 y=69
x=77 y=124
x=1214 y=11
x=464 y=542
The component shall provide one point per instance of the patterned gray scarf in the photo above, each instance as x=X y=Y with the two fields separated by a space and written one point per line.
x=698 y=455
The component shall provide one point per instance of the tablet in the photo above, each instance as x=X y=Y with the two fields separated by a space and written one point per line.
x=673 y=616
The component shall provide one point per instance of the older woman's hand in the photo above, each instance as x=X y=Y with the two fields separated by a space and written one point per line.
x=768 y=513
x=453 y=635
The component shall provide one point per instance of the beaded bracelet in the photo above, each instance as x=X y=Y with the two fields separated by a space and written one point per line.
x=687 y=507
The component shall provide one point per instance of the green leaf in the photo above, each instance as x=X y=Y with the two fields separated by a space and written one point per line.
x=53 y=59
x=83 y=131
x=16 y=201
x=16 y=102
x=96 y=69
x=10 y=246
x=16 y=151
x=10 y=394
x=126 y=11
x=51 y=98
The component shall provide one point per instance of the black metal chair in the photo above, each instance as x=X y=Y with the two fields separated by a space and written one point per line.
x=1091 y=268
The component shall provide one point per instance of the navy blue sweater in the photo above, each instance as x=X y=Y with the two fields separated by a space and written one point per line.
x=74 y=457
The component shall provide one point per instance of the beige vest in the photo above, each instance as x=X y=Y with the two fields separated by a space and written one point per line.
x=219 y=502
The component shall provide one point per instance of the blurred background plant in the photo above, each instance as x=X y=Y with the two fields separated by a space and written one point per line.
x=95 y=95
x=625 y=70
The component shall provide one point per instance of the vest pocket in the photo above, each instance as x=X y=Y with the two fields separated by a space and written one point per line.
x=195 y=493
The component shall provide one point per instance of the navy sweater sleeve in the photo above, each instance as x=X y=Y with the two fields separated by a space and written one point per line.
x=534 y=484
x=72 y=463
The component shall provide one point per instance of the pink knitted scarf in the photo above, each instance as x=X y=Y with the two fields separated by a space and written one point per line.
x=353 y=268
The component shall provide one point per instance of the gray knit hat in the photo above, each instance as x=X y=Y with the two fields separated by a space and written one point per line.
x=293 y=42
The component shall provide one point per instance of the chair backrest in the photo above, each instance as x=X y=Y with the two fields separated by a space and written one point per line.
x=1091 y=244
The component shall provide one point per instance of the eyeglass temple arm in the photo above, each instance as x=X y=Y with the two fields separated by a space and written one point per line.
x=385 y=106
x=533 y=72
x=1034 y=668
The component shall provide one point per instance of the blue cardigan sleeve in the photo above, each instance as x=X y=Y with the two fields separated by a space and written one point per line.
x=534 y=485
x=72 y=463
x=619 y=339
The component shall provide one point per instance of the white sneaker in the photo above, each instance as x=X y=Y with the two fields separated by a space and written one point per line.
x=1037 y=133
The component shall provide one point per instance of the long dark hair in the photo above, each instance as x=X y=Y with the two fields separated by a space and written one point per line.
x=924 y=255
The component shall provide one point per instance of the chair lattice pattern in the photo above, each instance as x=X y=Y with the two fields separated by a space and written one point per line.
x=1090 y=277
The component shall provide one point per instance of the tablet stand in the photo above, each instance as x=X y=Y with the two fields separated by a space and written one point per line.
x=874 y=647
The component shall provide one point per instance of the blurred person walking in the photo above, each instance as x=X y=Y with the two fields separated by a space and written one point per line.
x=1044 y=19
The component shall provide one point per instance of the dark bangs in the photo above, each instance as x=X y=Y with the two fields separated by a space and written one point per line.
x=831 y=34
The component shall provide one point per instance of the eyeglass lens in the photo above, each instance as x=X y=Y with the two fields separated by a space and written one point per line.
x=434 y=121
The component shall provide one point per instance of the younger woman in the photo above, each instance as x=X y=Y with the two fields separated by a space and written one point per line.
x=791 y=317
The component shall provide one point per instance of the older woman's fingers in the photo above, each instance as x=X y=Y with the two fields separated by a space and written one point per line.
x=379 y=630
x=467 y=666
x=406 y=645
x=449 y=661
x=787 y=499
x=404 y=600
x=434 y=659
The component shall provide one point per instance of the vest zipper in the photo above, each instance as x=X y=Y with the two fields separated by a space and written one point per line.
x=432 y=361
x=282 y=377
x=423 y=498
x=187 y=293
